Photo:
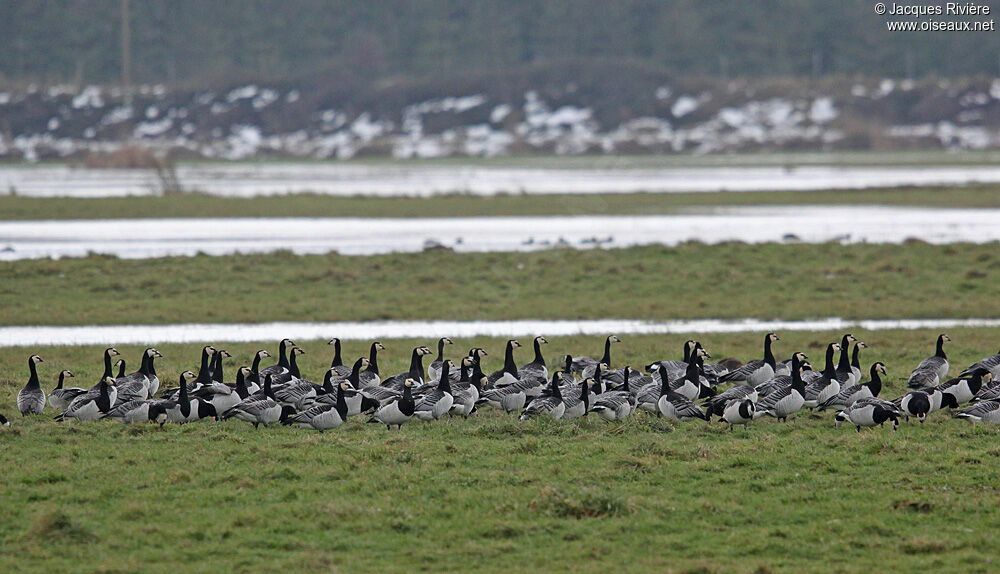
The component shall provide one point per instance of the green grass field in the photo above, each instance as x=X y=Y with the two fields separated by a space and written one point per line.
x=689 y=281
x=309 y=205
x=491 y=493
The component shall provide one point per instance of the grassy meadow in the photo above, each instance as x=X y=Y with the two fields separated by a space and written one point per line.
x=491 y=493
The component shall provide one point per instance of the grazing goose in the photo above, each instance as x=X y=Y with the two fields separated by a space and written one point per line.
x=187 y=409
x=141 y=384
x=618 y=404
x=673 y=405
x=323 y=416
x=869 y=412
x=821 y=387
x=991 y=364
x=964 y=389
x=397 y=410
x=254 y=381
x=31 y=399
x=508 y=375
x=466 y=391
x=987 y=412
x=784 y=401
x=549 y=402
x=757 y=371
x=577 y=403
x=416 y=371
x=434 y=369
x=845 y=375
x=438 y=401
x=585 y=365
x=537 y=366
x=933 y=369
x=916 y=403
x=337 y=364
x=92 y=405
x=739 y=412
x=856 y=360
x=849 y=395
x=283 y=363
x=262 y=410
x=140 y=411
x=370 y=376
x=61 y=397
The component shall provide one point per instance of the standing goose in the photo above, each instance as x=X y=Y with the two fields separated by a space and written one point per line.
x=217 y=375
x=141 y=384
x=780 y=381
x=189 y=409
x=718 y=404
x=537 y=366
x=933 y=369
x=120 y=365
x=398 y=410
x=825 y=385
x=739 y=412
x=337 y=364
x=434 y=369
x=261 y=410
x=549 y=402
x=438 y=401
x=578 y=401
x=31 y=399
x=508 y=375
x=108 y=367
x=757 y=371
x=845 y=375
x=618 y=404
x=784 y=401
x=323 y=416
x=204 y=376
x=856 y=360
x=356 y=402
x=91 y=405
x=853 y=393
x=223 y=397
x=282 y=366
x=61 y=397
x=991 y=364
x=370 y=376
x=293 y=374
x=868 y=413
x=254 y=380
x=673 y=405
x=466 y=391
x=416 y=371
x=586 y=365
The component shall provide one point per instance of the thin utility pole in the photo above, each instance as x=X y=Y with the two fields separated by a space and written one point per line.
x=126 y=53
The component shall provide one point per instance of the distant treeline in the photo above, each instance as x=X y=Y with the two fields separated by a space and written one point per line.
x=212 y=41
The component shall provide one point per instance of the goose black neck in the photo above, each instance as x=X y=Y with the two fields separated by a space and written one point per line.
x=282 y=355
x=628 y=375
x=539 y=360
x=693 y=371
x=121 y=369
x=606 y=359
x=328 y=381
x=373 y=359
x=217 y=374
x=33 y=379
x=768 y=355
x=568 y=367
x=875 y=385
x=585 y=395
x=341 y=405
x=184 y=391
x=407 y=393
x=555 y=386
x=829 y=369
x=939 y=352
x=855 y=359
x=665 y=381
x=440 y=356
x=59 y=385
x=293 y=366
x=150 y=367
x=417 y=365
x=268 y=391
x=355 y=376
x=445 y=384
x=107 y=364
x=255 y=367
x=845 y=358
x=508 y=360
x=337 y=359
x=103 y=398
x=797 y=383
x=688 y=349
x=241 y=384
x=464 y=372
x=204 y=371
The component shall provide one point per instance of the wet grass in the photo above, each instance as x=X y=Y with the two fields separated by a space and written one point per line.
x=491 y=493
x=310 y=205
x=689 y=281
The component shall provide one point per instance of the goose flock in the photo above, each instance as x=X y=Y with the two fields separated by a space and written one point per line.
x=735 y=393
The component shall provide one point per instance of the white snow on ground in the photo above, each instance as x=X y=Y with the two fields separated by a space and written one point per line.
x=146 y=238
x=31 y=336
x=399 y=180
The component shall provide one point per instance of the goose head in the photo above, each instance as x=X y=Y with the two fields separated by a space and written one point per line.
x=467 y=362
x=35 y=359
x=111 y=351
x=772 y=337
x=800 y=356
x=245 y=371
x=849 y=338
x=880 y=368
x=346 y=386
x=409 y=383
x=614 y=339
x=422 y=350
x=378 y=346
x=263 y=353
x=66 y=374
x=541 y=340
x=187 y=376
x=365 y=362
x=298 y=351
x=514 y=343
x=862 y=345
x=703 y=353
x=158 y=413
x=840 y=417
x=153 y=353
x=447 y=341
x=944 y=338
x=224 y=354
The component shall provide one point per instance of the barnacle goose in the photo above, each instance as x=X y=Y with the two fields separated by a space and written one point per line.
x=218 y=376
x=550 y=402
x=673 y=405
x=784 y=401
x=965 y=388
x=757 y=371
x=108 y=373
x=849 y=395
x=254 y=380
x=141 y=384
x=845 y=375
x=917 y=403
x=140 y=411
x=223 y=397
x=323 y=417
x=933 y=369
x=416 y=371
x=585 y=365
x=508 y=375
x=577 y=400
x=537 y=366
x=983 y=412
x=370 y=376
x=434 y=369
x=869 y=412
x=739 y=412
x=781 y=381
x=438 y=401
x=293 y=374
x=826 y=385
x=31 y=398
x=261 y=410
x=90 y=406
x=675 y=369
x=337 y=364
x=618 y=404
x=466 y=391
x=204 y=375
x=282 y=366
x=61 y=396
x=189 y=409
x=120 y=365
x=397 y=410
x=856 y=360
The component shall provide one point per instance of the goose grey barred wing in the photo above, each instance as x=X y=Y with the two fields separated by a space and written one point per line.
x=718 y=403
x=843 y=398
x=128 y=411
x=685 y=407
x=648 y=394
x=612 y=400
x=922 y=378
x=583 y=364
x=985 y=411
x=875 y=401
x=776 y=383
x=988 y=393
x=771 y=400
x=542 y=405
x=31 y=401
x=991 y=364
x=742 y=373
x=381 y=394
x=428 y=400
